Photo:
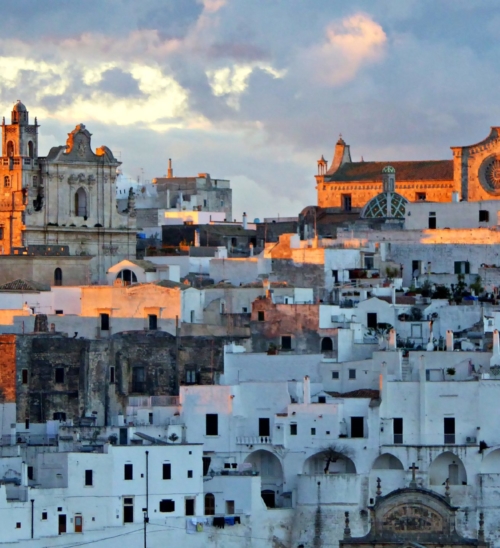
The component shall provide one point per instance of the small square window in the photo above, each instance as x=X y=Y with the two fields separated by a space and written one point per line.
x=245 y=310
x=328 y=432
x=313 y=431
x=18 y=525
x=190 y=474
x=59 y=508
x=286 y=342
x=44 y=515
x=261 y=316
x=167 y=505
x=421 y=196
x=352 y=374
x=484 y=216
x=227 y=465
x=335 y=375
x=293 y=429
x=321 y=399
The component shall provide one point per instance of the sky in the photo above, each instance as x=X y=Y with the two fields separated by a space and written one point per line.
x=254 y=91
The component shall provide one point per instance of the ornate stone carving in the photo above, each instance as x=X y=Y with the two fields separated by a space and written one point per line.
x=109 y=249
x=91 y=179
x=412 y=517
x=489 y=174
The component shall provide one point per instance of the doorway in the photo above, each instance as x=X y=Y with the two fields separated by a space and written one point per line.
x=62 y=523
x=78 y=523
x=123 y=436
x=269 y=498
x=128 y=509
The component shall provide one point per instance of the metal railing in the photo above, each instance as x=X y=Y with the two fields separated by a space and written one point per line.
x=153 y=401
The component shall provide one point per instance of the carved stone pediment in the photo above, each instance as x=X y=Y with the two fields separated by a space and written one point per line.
x=413 y=517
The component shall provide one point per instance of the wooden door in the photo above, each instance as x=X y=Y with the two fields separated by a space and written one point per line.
x=78 y=524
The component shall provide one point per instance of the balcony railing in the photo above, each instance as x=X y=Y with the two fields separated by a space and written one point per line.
x=254 y=440
x=153 y=401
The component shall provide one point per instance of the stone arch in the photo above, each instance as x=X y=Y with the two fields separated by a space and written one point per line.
x=326 y=344
x=447 y=466
x=81 y=203
x=329 y=462
x=58 y=276
x=10 y=149
x=491 y=463
x=271 y=472
x=386 y=461
x=31 y=149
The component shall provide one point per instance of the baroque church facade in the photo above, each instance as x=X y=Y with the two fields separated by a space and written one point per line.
x=472 y=175
x=64 y=203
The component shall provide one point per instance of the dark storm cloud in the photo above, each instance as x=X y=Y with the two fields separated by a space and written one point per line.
x=119 y=83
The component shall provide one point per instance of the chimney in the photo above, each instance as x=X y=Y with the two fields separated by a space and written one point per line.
x=496 y=343
x=342 y=155
x=307 y=390
x=245 y=224
x=170 y=172
x=449 y=340
x=392 y=339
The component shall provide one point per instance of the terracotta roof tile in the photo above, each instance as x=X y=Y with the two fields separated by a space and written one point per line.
x=24 y=285
x=428 y=170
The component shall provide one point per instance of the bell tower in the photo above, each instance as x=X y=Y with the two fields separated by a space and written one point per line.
x=19 y=172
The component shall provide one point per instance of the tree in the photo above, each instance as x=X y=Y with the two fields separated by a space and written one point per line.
x=333 y=453
x=477 y=286
x=381 y=332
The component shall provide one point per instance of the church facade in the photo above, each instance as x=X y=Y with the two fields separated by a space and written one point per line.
x=473 y=174
x=64 y=202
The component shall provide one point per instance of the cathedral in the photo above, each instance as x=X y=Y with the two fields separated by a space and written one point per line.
x=63 y=204
x=472 y=175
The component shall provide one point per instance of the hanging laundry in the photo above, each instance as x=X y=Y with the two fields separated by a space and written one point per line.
x=219 y=522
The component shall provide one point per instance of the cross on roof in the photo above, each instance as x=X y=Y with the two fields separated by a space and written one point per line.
x=413 y=469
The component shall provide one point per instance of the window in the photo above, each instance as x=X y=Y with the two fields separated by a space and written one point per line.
x=59 y=312
x=321 y=399
x=206 y=465
x=10 y=149
x=449 y=430
x=421 y=197
x=357 y=427
x=153 y=321
x=229 y=506
x=189 y=474
x=204 y=203
x=313 y=431
x=44 y=516
x=6 y=181
x=167 y=471
x=189 y=507
x=128 y=472
x=150 y=418
x=462 y=267
x=59 y=373
x=104 y=322
x=416 y=268
x=397 y=427
x=128 y=510
x=484 y=216
x=30 y=149
x=127 y=277
x=18 y=525
x=191 y=316
x=30 y=472
x=352 y=374
x=27 y=424
x=58 y=277
x=89 y=478
x=371 y=320
x=212 y=424
x=112 y=374
x=138 y=379
x=261 y=316
x=222 y=203
x=369 y=262
x=35 y=180
x=1 y=233
x=59 y=416
x=346 y=202
x=81 y=203
x=190 y=376
x=24 y=376
x=286 y=342
x=209 y=504
x=264 y=427
x=244 y=310
x=336 y=374
x=326 y=344
x=432 y=220
x=293 y=429
x=167 y=505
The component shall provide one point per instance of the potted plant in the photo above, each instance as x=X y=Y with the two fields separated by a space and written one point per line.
x=450 y=371
x=272 y=350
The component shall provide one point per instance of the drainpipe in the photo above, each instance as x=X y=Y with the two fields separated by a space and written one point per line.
x=32 y=516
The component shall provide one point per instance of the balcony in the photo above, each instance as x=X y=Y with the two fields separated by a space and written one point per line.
x=153 y=401
x=254 y=440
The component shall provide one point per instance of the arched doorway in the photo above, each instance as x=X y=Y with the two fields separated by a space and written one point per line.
x=326 y=344
x=447 y=466
x=491 y=463
x=58 y=277
x=10 y=149
x=386 y=461
x=387 y=473
x=329 y=461
x=271 y=472
x=81 y=203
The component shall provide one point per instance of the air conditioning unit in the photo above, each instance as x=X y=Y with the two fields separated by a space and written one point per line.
x=470 y=439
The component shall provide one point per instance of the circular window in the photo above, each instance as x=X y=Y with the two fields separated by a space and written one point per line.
x=489 y=174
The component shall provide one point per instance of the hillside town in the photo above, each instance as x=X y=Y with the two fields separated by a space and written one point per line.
x=171 y=374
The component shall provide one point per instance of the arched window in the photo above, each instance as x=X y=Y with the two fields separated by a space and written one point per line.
x=30 y=149
x=81 y=203
x=58 y=276
x=209 y=504
x=326 y=344
x=6 y=181
x=127 y=276
x=10 y=149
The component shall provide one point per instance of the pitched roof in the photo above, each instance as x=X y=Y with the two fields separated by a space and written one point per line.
x=24 y=285
x=147 y=266
x=427 y=170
